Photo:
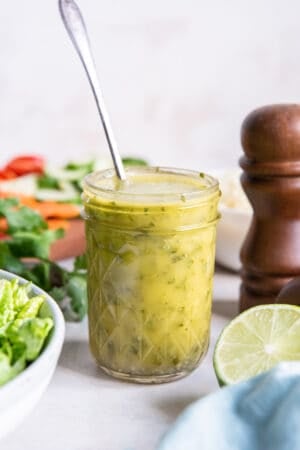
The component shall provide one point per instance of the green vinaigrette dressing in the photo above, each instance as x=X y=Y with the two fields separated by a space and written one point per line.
x=150 y=247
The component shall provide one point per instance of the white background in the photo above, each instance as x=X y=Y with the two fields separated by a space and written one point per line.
x=178 y=76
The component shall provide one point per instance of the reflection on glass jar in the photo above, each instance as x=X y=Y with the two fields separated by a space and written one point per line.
x=150 y=247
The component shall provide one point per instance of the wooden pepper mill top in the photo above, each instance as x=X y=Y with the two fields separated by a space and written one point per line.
x=271 y=252
x=271 y=140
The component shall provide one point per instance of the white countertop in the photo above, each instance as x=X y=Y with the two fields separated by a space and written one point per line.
x=83 y=409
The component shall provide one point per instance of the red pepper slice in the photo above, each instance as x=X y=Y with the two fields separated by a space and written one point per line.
x=7 y=174
x=26 y=164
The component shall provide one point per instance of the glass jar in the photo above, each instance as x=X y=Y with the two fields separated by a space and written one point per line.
x=150 y=251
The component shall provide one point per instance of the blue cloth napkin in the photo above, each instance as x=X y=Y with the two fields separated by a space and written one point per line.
x=262 y=413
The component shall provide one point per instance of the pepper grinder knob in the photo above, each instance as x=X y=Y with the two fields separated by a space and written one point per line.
x=270 y=255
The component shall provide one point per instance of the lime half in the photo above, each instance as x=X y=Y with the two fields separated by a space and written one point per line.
x=257 y=340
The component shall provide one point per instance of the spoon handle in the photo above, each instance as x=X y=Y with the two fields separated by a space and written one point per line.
x=75 y=26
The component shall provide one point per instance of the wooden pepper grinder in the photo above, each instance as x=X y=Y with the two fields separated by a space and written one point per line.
x=271 y=252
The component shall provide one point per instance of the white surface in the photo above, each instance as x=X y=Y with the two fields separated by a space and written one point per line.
x=178 y=76
x=20 y=396
x=85 y=410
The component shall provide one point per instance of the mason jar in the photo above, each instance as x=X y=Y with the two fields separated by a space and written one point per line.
x=150 y=252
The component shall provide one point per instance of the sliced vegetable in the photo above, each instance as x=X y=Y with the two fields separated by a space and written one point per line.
x=46 y=181
x=3 y=225
x=55 y=224
x=87 y=166
x=134 y=162
x=7 y=174
x=102 y=163
x=66 y=193
x=23 y=165
x=47 y=209
x=57 y=210
x=70 y=173
x=25 y=185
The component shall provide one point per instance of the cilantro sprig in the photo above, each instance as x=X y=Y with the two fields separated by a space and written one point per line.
x=28 y=238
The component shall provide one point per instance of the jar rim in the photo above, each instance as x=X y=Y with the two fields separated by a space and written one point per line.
x=210 y=185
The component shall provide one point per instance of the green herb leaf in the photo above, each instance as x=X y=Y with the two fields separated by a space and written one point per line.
x=6 y=204
x=58 y=293
x=134 y=162
x=39 y=274
x=86 y=166
x=24 y=219
x=8 y=261
x=29 y=244
x=77 y=291
x=48 y=182
x=80 y=262
x=72 y=298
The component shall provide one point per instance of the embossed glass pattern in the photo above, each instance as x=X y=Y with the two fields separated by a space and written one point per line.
x=150 y=270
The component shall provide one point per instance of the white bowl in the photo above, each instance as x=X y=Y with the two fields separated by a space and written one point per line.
x=19 y=396
x=231 y=232
x=236 y=214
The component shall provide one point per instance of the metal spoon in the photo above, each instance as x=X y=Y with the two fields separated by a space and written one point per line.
x=74 y=23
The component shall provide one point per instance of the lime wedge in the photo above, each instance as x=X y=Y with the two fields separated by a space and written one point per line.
x=257 y=340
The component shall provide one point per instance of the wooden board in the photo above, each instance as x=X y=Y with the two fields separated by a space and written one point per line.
x=72 y=244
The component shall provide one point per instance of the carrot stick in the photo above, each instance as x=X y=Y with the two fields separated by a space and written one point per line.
x=46 y=208
x=54 y=224
x=57 y=210
x=3 y=225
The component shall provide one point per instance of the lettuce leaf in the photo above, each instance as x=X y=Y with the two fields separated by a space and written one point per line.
x=32 y=333
x=12 y=360
x=31 y=308
x=22 y=332
x=7 y=310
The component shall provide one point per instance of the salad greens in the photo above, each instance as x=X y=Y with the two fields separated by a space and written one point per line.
x=29 y=237
x=64 y=184
x=22 y=332
x=60 y=184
